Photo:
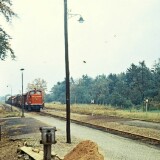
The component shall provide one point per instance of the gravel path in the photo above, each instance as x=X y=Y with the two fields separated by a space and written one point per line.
x=146 y=129
x=112 y=146
x=142 y=124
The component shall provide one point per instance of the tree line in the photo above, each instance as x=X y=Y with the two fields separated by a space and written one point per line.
x=123 y=90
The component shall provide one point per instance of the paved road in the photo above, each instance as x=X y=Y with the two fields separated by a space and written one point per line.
x=113 y=147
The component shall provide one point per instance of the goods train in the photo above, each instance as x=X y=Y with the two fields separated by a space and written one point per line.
x=32 y=100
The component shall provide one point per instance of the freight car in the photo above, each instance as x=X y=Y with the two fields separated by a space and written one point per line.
x=10 y=100
x=18 y=100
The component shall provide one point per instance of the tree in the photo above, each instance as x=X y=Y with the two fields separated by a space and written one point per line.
x=38 y=84
x=5 y=46
x=81 y=90
x=140 y=82
x=58 y=92
x=48 y=98
x=156 y=79
x=100 y=89
x=121 y=90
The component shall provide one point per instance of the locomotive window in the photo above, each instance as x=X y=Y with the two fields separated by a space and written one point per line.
x=38 y=92
x=32 y=92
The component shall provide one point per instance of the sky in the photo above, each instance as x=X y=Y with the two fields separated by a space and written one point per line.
x=115 y=34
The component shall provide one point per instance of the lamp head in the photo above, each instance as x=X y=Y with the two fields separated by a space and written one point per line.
x=81 y=20
x=22 y=69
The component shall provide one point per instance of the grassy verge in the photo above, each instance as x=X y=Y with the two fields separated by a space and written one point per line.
x=107 y=111
x=8 y=113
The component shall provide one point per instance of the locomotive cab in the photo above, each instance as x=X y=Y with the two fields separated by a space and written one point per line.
x=34 y=100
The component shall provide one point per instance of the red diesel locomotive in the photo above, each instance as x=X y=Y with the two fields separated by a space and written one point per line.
x=33 y=100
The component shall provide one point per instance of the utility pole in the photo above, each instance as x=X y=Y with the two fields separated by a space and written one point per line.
x=81 y=20
x=68 y=134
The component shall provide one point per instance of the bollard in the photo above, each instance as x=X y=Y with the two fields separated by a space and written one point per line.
x=47 y=139
x=0 y=132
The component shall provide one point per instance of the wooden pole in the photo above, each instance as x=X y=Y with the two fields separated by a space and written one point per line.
x=68 y=135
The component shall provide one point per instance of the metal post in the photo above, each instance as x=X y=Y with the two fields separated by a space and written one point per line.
x=47 y=152
x=48 y=138
x=0 y=132
x=22 y=94
x=11 y=99
x=68 y=135
x=146 y=105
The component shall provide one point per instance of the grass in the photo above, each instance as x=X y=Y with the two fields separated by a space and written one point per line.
x=8 y=113
x=107 y=111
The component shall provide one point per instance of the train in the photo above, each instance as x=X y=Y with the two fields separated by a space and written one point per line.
x=32 y=100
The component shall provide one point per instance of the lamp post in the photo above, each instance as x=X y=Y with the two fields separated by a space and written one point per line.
x=22 y=69
x=11 y=97
x=68 y=134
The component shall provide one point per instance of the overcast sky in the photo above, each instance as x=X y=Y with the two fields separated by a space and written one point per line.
x=115 y=34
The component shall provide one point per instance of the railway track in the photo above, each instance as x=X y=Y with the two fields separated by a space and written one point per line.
x=141 y=138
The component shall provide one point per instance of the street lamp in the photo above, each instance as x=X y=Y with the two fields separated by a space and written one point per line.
x=11 y=97
x=68 y=135
x=70 y=15
x=22 y=69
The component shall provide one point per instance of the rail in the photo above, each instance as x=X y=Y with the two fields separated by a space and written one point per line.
x=144 y=139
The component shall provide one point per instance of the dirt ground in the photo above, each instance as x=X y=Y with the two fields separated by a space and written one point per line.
x=85 y=150
x=8 y=149
x=17 y=132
